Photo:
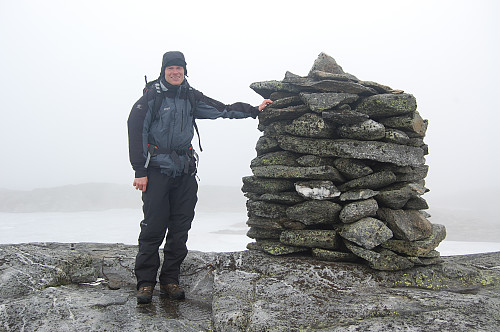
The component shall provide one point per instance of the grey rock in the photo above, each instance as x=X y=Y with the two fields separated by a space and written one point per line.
x=367 y=130
x=357 y=210
x=266 y=88
x=312 y=238
x=412 y=124
x=287 y=198
x=312 y=161
x=275 y=158
x=248 y=291
x=380 y=88
x=314 y=212
x=319 y=190
x=409 y=225
x=397 y=195
x=352 y=168
x=257 y=185
x=387 y=105
x=371 y=181
x=319 y=102
x=335 y=86
x=266 y=223
x=275 y=247
x=286 y=102
x=266 y=144
x=275 y=128
x=269 y=115
x=310 y=125
x=333 y=256
x=344 y=116
x=357 y=194
x=290 y=172
x=367 y=232
x=326 y=63
x=263 y=233
x=416 y=203
x=265 y=209
x=415 y=174
x=400 y=155
x=384 y=260
x=396 y=136
x=418 y=248
x=323 y=75
x=274 y=223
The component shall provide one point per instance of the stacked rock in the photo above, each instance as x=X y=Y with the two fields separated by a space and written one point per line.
x=340 y=172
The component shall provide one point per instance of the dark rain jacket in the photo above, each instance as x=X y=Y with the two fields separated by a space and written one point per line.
x=172 y=129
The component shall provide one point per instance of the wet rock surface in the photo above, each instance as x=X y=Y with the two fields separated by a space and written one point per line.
x=91 y=287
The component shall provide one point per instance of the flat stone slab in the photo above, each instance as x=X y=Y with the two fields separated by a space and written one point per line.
x=397 y=154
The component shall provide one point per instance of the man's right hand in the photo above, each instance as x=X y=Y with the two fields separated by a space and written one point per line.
x=141 y=183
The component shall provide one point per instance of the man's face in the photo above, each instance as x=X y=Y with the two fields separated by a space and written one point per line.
x=174 y=75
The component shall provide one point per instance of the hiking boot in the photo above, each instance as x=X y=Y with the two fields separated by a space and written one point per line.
x=172 y=291
x=145 y=294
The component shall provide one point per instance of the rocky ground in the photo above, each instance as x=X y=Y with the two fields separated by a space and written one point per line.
x=90 y=287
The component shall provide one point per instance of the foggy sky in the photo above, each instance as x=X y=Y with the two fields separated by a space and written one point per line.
x=71 y=71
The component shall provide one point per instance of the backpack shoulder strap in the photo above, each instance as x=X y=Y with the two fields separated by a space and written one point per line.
x=192 y=101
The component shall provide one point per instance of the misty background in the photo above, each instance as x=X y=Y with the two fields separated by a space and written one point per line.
x=71 y=71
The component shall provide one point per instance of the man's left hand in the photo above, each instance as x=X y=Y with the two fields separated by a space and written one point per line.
x=264 y=104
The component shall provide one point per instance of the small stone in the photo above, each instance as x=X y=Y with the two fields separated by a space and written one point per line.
x=314 y=212
x=275 y=158
x=319 y=102
x=344 y=116
x=357 y=210
x=367 y=130
x=358 y=194
x=412 y=124
x=269 y=115
x=275 y=248
x=419 y=248
x=312 y=238
x=257 y=185
x=286 y=198
x=372 y=181
x=267 y=87
x=384 y=260
x=313 y=161
x=327 y=64
x=319 y=190
x=310 y=125
x=263 y=233
x=397 y=195
x=290 y=172
x=367 y=232
x=266 y=144
x=333 y=256
x=387 y=105
x=409 y=225
x=352 y=168
x=265 y=209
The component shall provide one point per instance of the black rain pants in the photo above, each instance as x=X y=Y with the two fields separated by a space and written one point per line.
x=168 y=210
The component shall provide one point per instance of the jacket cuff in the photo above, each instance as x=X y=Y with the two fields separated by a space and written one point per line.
x=255 y=112
x=141 y=173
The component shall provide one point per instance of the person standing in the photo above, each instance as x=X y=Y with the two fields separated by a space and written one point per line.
x=161 y=126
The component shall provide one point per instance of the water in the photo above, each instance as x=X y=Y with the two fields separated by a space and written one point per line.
x=211 y=231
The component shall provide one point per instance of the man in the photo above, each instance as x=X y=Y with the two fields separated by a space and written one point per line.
x=160 y=128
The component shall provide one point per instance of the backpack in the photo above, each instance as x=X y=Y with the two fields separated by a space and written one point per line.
x=159 y=97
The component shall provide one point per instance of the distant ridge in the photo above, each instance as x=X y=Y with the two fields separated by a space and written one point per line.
x=105 y=196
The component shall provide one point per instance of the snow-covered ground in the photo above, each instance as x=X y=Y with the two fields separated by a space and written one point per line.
x=211 y=231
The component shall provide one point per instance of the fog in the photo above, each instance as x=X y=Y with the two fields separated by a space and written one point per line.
x=71 y=71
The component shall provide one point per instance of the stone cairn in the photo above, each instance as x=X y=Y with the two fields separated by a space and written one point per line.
x=340 y=172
